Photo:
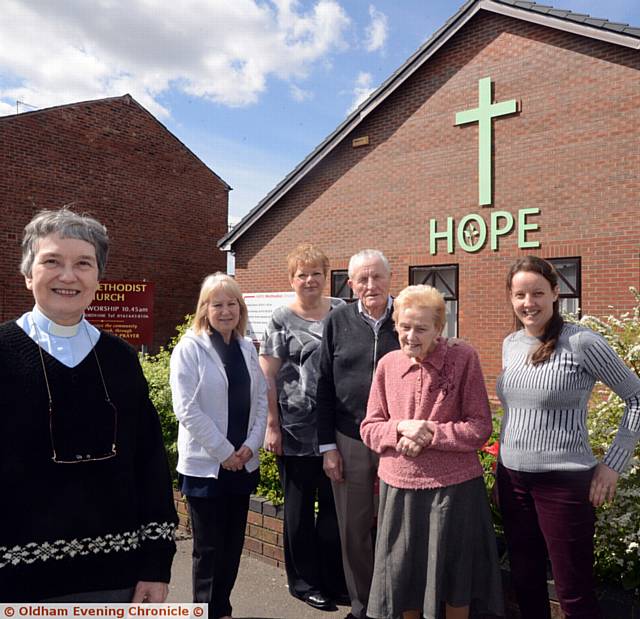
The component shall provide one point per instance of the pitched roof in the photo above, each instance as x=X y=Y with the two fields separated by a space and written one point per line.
x=127 y=100
x=576 y=23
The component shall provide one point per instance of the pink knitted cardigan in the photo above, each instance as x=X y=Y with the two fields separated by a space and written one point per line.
x=447 y=388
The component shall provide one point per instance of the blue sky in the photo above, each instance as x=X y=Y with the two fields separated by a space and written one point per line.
x=250 y=86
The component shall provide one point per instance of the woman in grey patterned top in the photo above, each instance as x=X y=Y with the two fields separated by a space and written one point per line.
x=548 y=478
x=289 y=361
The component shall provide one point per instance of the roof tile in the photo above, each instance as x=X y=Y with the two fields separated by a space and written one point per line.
x=541 y=8
x=579 y=17
x=595 y=21
x=615 y=26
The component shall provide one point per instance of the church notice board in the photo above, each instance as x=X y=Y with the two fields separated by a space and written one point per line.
x=124 y=308
x=260 y=306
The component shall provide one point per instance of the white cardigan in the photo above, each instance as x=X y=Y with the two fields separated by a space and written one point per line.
x=199 y=391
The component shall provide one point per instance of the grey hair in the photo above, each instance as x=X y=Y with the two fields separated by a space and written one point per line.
x=367 y=255
x=67 y=225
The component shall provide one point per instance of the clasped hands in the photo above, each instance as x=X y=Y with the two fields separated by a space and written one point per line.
x=415 y=435
x=237 y=460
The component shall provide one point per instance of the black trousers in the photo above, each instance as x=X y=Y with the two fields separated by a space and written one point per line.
x=312 y=552
x=218 y=526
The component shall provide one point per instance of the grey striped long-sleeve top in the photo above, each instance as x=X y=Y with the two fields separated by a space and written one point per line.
x=545 y=406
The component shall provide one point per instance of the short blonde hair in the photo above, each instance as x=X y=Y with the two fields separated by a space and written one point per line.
x=306 y=253
x=210 y=285
x=423 y=297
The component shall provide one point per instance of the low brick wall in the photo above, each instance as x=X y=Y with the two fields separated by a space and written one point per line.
x=263 y=536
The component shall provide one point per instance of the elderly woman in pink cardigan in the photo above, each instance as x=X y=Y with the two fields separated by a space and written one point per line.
x=428 y=414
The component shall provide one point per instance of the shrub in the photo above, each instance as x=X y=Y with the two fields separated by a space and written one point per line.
x=617 y=541
x=156 y=371
x=269 y=486
x=489 y=460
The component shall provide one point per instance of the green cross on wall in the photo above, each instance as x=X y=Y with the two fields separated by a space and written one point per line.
x=483 y=115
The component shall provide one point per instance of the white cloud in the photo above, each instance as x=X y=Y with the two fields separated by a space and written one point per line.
x=377 y=30
x=58 y=52
x=299 y=94
x=6 y=109
x=362 y=89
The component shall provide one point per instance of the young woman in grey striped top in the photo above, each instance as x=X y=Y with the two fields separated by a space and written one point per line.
x=549 y=481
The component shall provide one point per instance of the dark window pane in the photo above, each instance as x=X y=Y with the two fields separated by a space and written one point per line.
x=339 y=286
x=443 y=278
x=569 y=282
x=568 y=277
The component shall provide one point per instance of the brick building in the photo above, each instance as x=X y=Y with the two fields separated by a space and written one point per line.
x=163 y=207
x=515 y=129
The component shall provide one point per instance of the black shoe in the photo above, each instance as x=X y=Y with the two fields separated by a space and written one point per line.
x=317 y=600
x=341 y=599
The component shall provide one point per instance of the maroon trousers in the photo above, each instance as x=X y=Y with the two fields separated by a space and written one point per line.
x=549 y=514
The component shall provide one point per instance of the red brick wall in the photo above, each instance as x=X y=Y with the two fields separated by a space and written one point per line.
x=263 y=536
x=164 y=208
x=573 y=151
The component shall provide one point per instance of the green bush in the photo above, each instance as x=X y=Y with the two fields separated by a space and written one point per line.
x=156 y=371
x=269 y=486
x=617 y=541
x=489 y=460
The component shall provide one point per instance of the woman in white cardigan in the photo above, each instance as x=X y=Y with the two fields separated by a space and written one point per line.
x=220 y=399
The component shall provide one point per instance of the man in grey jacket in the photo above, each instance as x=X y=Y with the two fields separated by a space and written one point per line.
x=356 y=336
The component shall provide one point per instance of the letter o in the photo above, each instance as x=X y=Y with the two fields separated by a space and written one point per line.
x=481 y=231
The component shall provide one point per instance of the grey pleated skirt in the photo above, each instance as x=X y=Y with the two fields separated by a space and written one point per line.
x=435 y=546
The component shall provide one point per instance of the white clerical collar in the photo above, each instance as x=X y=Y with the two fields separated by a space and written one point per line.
x=53 y=328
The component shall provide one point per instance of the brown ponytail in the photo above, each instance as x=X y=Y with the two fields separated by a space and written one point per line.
x=552 y=331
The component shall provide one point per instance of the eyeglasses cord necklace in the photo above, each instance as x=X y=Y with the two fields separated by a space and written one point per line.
x=79 y=458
